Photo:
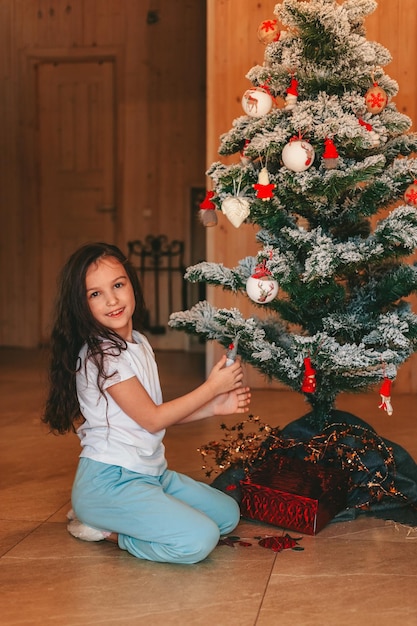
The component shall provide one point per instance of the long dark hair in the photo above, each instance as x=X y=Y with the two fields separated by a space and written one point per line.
x=74 y=326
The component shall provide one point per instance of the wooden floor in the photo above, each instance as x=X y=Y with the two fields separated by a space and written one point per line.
x=358 y=573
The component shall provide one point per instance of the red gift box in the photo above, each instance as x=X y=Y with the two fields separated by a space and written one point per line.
x=294 y=494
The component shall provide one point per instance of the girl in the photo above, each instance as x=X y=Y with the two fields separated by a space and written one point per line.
x=104 y=385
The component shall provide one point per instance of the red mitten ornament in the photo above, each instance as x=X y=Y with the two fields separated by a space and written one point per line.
x=208 y=213
x=309 y=384
x=264 y=189
x=385 y=393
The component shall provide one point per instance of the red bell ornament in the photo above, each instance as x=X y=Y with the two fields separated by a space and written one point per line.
x=376 y=99
x=309 y=383
x=410 y=194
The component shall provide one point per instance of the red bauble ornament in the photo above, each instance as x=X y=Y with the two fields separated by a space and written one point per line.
x=309 y=384
x=376 y=99
x=410 y=195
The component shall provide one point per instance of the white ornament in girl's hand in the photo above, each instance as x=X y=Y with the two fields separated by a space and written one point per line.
x=236 y=209
x=298 y=155
x=257 y=102
x=261 y=290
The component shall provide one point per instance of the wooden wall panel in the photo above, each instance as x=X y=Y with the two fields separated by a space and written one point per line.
x=160 y=96
x=233 y=49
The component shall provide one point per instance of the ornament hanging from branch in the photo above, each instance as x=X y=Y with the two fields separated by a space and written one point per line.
x=236 y=208
x=376 y=99
x=264 y=189
x=385 y=393
x=292 y=95
x=257 y=101
x=298 y=155
x=309 y=384
x=261 y=287
x=268 y=31
x=330 y=155
x=410 y=194
x=208 y=215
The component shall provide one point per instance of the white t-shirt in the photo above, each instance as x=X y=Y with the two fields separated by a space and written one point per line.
x=108 y=434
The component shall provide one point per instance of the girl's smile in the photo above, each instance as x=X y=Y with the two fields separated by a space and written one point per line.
x=110 y=296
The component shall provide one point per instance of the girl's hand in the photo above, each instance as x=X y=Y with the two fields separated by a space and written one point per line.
x=224 y=379
x=236 y=401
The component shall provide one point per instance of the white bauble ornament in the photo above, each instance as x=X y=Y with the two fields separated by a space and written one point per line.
x=298 y=155
x=261 y=290
x=257 y=102
x=236 y=209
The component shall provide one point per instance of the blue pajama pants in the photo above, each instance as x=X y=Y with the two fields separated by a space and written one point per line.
x=169 y=518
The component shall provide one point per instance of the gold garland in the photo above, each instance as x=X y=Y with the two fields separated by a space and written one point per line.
x=248 y=443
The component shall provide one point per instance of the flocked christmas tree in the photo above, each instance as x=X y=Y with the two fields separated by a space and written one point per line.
x=312 y=174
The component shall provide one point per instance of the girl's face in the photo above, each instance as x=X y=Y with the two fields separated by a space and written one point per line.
x=110 y=296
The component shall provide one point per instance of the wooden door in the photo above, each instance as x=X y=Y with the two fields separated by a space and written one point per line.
x=77 y=165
